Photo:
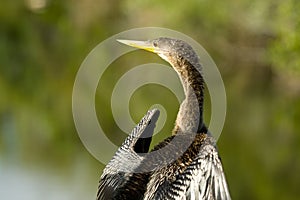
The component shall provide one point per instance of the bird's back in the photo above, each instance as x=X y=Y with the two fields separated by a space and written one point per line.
x=196 y=174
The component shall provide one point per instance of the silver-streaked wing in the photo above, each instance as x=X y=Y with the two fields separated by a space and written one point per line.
x=126 y=158
x=203 y=179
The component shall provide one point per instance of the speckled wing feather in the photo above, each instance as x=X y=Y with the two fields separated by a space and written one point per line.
x=126 y=158
x=203 y=179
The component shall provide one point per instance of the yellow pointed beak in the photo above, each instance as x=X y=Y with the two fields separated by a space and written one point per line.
x=146 y=45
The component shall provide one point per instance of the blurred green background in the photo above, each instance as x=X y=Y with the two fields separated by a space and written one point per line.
x=255 y=44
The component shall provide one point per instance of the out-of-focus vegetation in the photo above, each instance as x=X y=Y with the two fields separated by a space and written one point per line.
x=255 y=44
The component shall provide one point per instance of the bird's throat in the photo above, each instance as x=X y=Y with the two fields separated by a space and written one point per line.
x=190 y=115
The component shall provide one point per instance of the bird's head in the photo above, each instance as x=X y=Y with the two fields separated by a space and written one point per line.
x=169 y=49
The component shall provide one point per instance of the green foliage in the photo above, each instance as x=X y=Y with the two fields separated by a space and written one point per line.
x=285 y=49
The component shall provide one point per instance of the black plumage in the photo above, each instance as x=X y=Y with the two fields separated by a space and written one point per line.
x=186 y=165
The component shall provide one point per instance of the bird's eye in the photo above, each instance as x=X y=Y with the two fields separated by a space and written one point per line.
x=155 y=44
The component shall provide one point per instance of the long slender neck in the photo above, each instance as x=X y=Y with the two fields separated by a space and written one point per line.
x=190 y=115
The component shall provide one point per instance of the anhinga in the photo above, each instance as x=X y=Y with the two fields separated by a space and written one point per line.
x=186 y=165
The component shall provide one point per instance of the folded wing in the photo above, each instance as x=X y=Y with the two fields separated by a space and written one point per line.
x=203 y=179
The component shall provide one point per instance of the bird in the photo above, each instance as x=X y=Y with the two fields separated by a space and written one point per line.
x=185 y=165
